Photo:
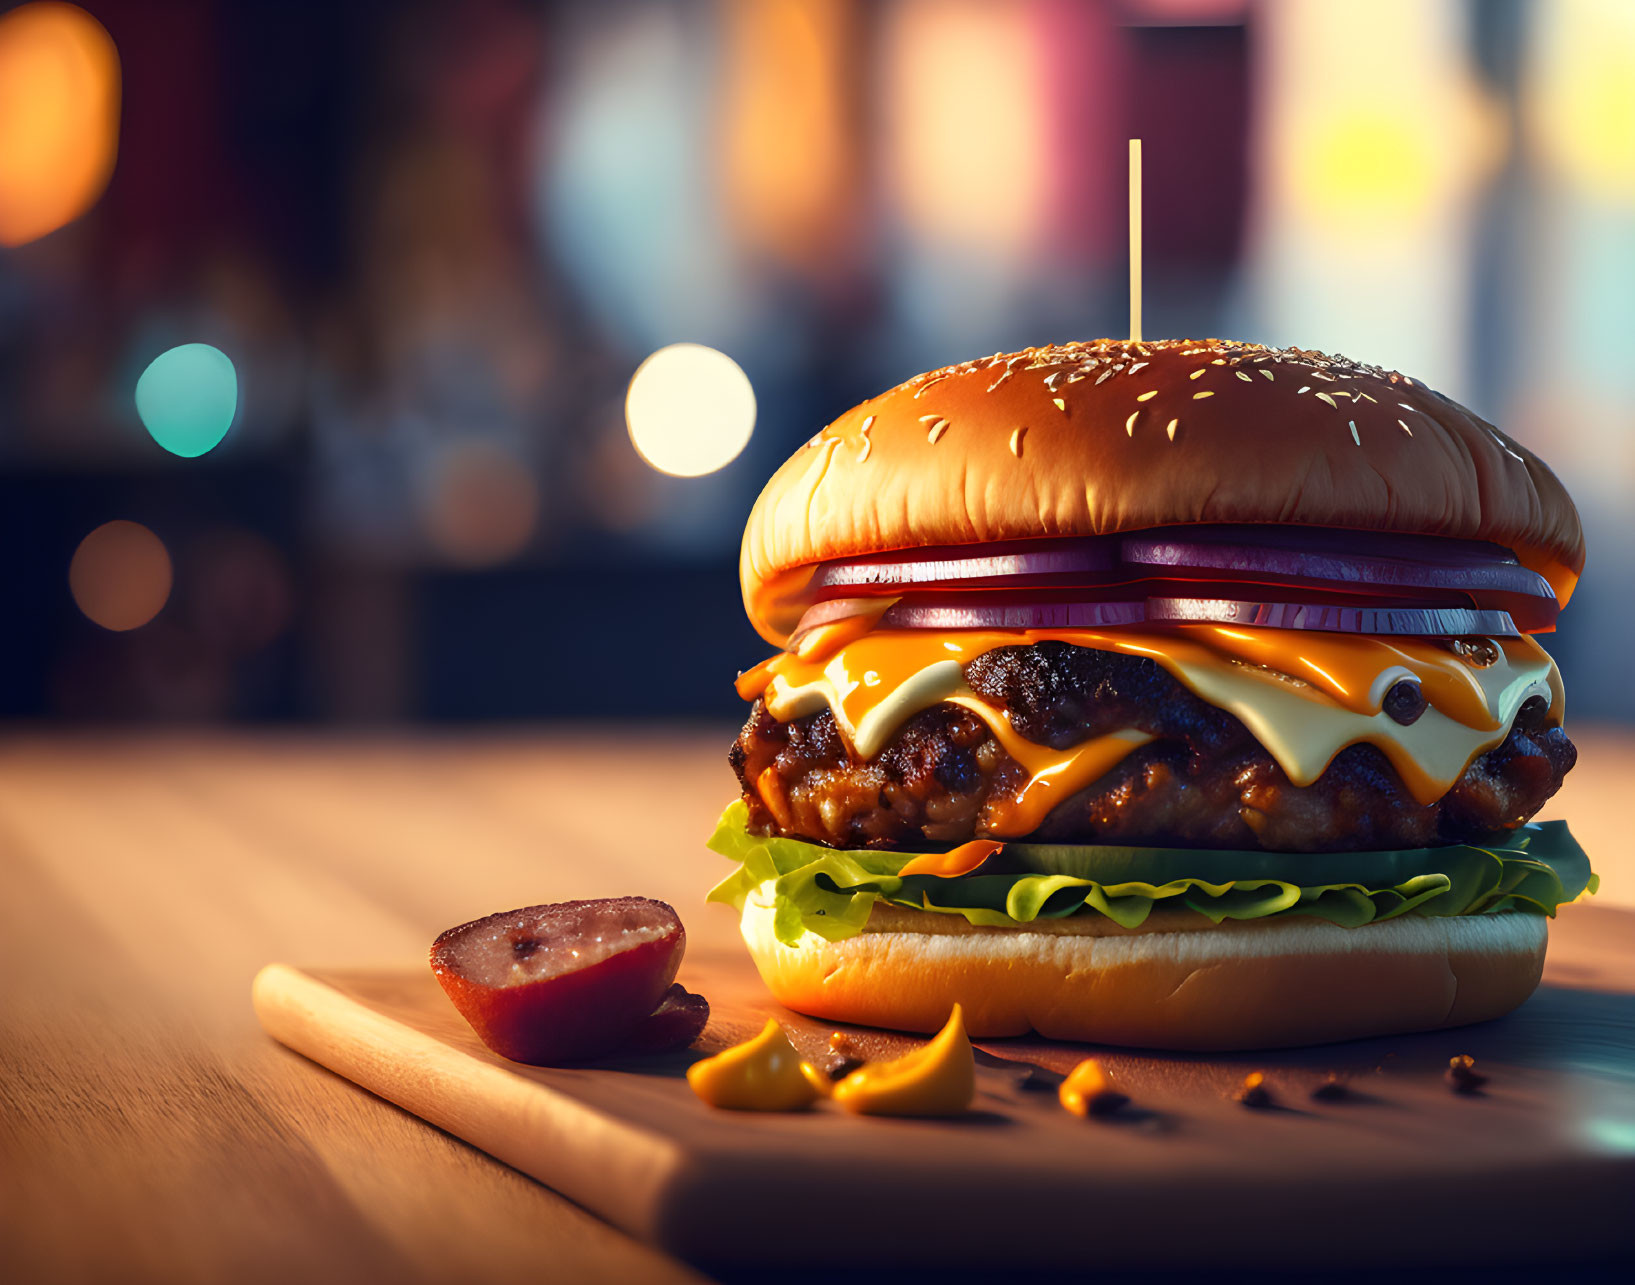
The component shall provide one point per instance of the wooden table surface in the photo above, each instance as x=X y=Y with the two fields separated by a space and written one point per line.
x=150 y=1131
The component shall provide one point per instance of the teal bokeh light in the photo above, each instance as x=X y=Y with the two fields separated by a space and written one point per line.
x=186 y=398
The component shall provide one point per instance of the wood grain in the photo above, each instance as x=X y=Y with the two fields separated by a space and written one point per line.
x=149 y=1130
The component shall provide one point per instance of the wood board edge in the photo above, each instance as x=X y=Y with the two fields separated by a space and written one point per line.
x=518 y=1120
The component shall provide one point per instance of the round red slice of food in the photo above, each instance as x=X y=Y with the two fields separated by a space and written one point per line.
x=561 y=983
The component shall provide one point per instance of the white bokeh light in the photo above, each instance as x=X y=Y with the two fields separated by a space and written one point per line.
x=690 y=410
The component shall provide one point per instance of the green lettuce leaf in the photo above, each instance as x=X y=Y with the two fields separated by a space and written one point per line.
x=831 y=891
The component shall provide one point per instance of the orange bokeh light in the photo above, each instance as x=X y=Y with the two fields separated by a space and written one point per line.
x=787 y=149
x=120 y=575
x=484 y=505
x=966 y=125
x=59 y=117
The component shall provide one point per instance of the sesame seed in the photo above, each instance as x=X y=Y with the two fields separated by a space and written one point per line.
x=1267 y=373
x=1147 y=396
x=868 y=442
x=1106 y=374
x=1129 y=424
x=1369 y=398
x=1324 y=397
x=1244 y=376
x=1052 y=380
x=1137 y=366
x=937 y=430
x=1196 y=373
x=1405 y=428
x=1171 y=427
x=921 y=390
x=1016 y=441
x=1306 y=389
x=1219 y=361
x=1354 y=436
x=1405 y=406
x=1060 y=404
x=929 y=419
x=1202 y=395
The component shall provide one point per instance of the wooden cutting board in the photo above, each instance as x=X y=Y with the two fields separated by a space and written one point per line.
x=1540 y=1164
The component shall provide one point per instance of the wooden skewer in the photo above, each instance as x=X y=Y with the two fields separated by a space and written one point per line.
x=1135 y=240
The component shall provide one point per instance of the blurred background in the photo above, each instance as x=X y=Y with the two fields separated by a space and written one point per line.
x=386 y=362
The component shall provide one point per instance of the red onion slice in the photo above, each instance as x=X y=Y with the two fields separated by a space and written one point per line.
x=830 y=610
x=976 y=613
x=1437 y=621
x=1268 y=558
x=1340 y=542
x=984 y=611
x=1489 y=575
x=971 y=611
x=979 y=564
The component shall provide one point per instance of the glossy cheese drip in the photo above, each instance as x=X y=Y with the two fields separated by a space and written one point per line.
x=953 y=863
x=1054 y=775
x=1304 y=695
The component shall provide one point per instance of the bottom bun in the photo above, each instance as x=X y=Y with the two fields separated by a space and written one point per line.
x=1180 y=983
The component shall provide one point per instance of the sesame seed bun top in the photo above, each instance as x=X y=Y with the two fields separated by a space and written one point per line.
x=1108 y=436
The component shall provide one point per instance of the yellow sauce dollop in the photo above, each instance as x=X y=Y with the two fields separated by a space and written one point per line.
x=938 y=1079
x=1087 y=1091
x=762 y=1074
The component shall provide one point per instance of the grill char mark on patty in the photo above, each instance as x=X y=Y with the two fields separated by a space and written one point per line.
x=1203 y=782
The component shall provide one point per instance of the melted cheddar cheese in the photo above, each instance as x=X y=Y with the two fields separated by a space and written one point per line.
x=1304 y=695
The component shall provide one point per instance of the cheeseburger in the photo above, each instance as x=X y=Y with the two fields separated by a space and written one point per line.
x=1178 y=694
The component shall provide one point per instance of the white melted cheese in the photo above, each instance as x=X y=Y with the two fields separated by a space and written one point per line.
x=1303 y=731
x=924 y=688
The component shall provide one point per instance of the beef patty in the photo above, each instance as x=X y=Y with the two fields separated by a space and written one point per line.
x=1203 y=782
